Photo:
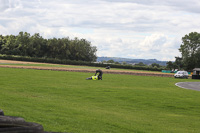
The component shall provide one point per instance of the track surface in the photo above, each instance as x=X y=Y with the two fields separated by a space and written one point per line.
x=6 y=63
x=189 y=85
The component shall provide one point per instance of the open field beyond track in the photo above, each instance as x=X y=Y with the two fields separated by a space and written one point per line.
x=56 y=67
x=63 y=101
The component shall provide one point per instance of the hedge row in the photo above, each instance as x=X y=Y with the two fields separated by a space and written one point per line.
x=73 y=62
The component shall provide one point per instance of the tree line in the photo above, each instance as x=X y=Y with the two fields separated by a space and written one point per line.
x=140 y=64
x=24 y=44
x=190 y=53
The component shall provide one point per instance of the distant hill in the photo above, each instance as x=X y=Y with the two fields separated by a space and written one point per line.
x=131 y=61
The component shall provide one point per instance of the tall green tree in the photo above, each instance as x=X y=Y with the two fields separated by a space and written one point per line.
x=170 y=65
x=190 y=50
x=23 y=41
x=178 y=63
x=35 y=46
x=2 y=42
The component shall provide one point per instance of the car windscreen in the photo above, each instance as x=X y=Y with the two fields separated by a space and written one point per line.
x=180 y=72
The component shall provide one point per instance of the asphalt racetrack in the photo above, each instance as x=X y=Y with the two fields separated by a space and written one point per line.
x=189 y=85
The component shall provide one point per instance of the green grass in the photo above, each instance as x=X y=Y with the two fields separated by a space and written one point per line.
x=66 y=102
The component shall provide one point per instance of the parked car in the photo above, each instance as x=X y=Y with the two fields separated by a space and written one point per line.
x=181 y=74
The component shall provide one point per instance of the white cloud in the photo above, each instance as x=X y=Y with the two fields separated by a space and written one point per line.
x=155 y=42
x=122 y=28
x=4 y=5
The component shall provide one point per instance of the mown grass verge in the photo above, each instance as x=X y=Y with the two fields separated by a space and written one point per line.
x=66 y=102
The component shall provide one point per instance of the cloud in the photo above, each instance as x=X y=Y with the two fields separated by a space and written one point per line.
x=4 y=4
x=155 y=43
x=122 y=28
x=9 y=4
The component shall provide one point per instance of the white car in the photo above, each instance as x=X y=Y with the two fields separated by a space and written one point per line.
x=181 y=74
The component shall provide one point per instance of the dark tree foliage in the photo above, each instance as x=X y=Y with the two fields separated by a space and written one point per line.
x=110 y=61
x=190 y=50
x=155 y=65
x=140 y=64
x=178 y=63
x=36 y=46
x=170 y=65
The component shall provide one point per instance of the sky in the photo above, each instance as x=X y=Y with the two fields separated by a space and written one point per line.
x=137 y=29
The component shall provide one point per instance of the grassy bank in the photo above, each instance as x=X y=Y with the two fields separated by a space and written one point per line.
x=66 y=102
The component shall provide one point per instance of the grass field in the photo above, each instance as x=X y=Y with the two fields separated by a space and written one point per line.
x=73 y=66
x=65 y=102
